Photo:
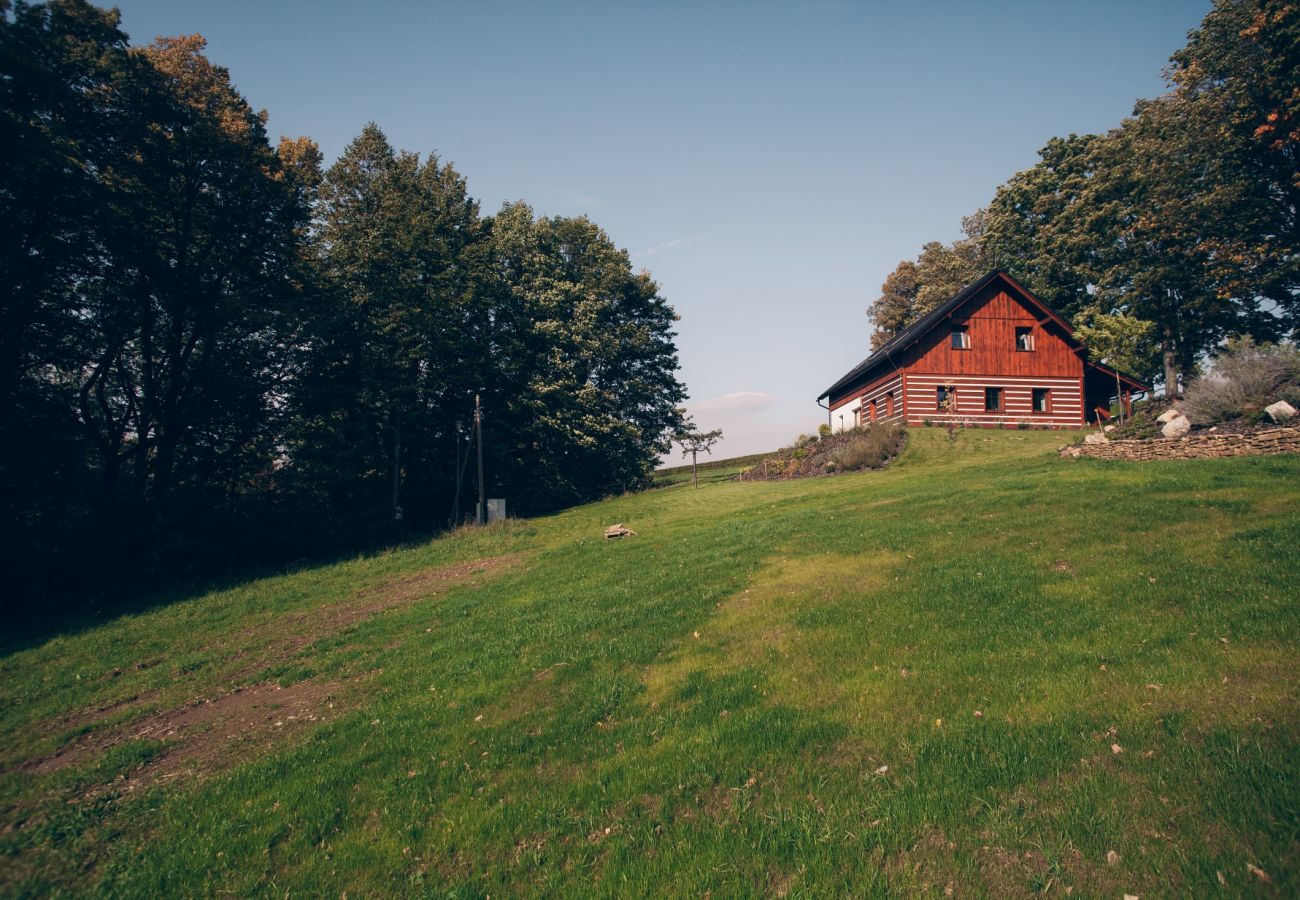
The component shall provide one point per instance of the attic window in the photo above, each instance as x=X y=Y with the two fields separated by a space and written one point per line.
x=1024 y=339
x=960 y=337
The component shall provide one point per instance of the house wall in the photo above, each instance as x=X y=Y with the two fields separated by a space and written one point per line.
x=992 y=320
x=854 y=408
x=1017 y=400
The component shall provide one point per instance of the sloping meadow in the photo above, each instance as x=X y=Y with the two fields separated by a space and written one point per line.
x=983 y=670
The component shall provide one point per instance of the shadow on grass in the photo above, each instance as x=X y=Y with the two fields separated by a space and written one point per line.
x=32 y=626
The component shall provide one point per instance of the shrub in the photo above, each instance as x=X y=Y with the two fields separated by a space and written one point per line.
x=869 y=448
x=1139 y=427
x=823 y=430
x=1245 y=378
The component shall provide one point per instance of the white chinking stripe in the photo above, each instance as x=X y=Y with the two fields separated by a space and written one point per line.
x=1067 y=404
x=878 y=393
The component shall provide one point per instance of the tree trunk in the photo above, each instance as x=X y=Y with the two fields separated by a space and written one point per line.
x=1119 y=397
x=1169 y=350
x=695 y=477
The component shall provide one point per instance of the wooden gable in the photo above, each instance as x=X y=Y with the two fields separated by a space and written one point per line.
x=991 y=318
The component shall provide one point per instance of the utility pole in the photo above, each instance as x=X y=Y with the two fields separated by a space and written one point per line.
x=478 y=439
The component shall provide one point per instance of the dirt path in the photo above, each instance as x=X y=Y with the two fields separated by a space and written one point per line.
x=207 y=732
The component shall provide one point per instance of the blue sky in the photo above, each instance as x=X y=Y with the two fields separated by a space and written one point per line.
x=769 y=163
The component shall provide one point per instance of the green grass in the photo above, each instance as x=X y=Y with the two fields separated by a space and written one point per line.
x=711 y=470
x=711 y=706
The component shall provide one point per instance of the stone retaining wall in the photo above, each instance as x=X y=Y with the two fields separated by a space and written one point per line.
x=1200 y=445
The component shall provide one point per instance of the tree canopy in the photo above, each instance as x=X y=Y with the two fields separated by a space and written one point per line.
x=214 y=348
x=1183 y=216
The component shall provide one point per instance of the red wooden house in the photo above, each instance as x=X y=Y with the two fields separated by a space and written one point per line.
x=992 y=355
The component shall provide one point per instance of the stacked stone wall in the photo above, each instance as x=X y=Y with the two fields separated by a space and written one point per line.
x=1199 y=445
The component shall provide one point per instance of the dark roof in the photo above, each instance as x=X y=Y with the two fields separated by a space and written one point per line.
x=918 y=329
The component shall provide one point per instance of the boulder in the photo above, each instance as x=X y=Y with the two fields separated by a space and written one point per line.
x=1096 y=437
x=1281 y=411
x=1109 y=428
x=1168 y=415
x=1176 y=427
x=618 y=531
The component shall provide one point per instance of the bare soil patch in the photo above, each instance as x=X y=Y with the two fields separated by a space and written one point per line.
x=202 y=732
x=206 y=733
x=331 y=618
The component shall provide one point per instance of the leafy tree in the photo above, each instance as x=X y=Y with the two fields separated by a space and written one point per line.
x=388 y=378
x=1173 y=217
x=1025 y=224
x=148 y=320
x=586 y=359
x=694 y=442
x=1239 y=73
x=1120 y=341
x=58 y=64
x=212 y=350
x=192 y=318
x=941 y=271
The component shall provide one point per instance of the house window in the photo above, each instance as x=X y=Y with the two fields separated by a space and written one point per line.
x=872 y=409
x=992 y=399
x=889 y=404
x=960 y=337
x=1024 y=339
x=945 y=398
x=1042 y=400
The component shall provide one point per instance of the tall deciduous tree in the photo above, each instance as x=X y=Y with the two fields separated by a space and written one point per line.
x=390 y=372
x=939 y=272
x=1185 y=215
x=1241 y=72
x=191 y=320
x=211 y=350
x=588 y=360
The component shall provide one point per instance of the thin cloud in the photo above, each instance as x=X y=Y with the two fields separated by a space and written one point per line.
x=740 y=402
x=666 y=245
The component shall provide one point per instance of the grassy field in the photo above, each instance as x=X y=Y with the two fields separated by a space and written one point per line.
x=983 y=671
x=710 y=470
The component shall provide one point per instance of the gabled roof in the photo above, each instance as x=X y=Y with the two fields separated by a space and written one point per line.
x=918 y=329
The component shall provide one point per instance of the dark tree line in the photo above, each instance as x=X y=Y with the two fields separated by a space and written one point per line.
x=216 y=352
x=1185 y=216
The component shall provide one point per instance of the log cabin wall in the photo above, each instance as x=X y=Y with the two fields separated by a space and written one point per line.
x=855 y=407
x=1018 y=364
x=991 y=320
x=994 y=359
x=1064 y=401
